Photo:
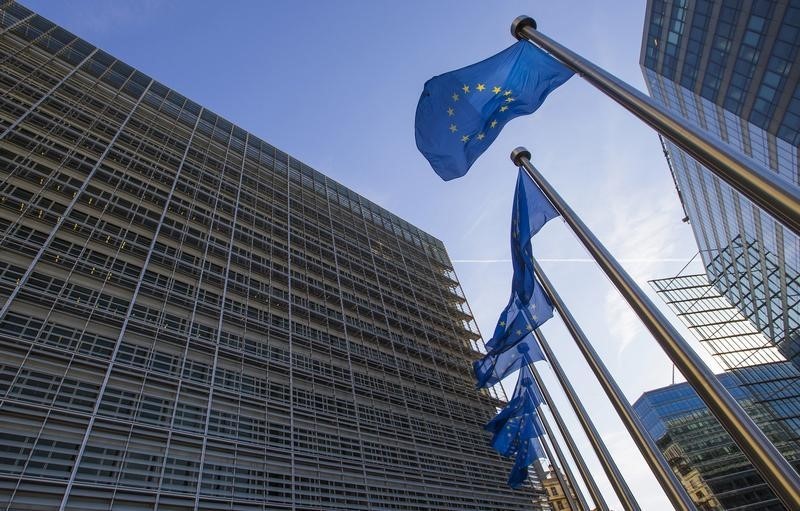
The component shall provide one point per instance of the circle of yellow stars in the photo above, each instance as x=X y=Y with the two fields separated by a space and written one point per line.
x=480 y=87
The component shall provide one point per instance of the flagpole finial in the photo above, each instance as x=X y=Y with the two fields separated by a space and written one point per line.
x=521 y=22
x=519 y=153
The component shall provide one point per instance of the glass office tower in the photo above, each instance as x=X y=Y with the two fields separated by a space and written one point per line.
x=737 y=345
x=714 y=471
x=730 y=68
x=192 y=319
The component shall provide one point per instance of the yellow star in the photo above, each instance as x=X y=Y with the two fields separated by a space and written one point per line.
x=503 y=108
x=496 y=90
x=465 y=88
x=451 y=112
x=502 y=323
x=480 y=87
x=519 y=332
x=533 y=306
x=509 y=100
x=465 y=138
x=453 y=128
x=507 y=93
x=455 y=97
x=481 y=136
x=529 y=327
x=493 y=124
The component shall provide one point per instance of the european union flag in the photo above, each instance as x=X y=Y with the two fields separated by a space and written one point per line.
x=460 y=113
x=531 y=211
x=517 y=316
x=529 y=306
x=514 y=324
x=519 y=420
x=529 y=451
x=493 y=367
x=517 y=428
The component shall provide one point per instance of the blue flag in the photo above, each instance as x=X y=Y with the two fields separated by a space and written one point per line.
x=512 y=327
x=530 y=212
x=529 y=307
x=517 y=317
x=519 y=420
x=529 y=451
x=517 y=428
x=493 y=367
x=460 y=113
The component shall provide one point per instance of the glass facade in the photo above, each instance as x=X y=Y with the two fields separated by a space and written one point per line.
x=733 y=53
x=729 y=67
x=738 y=346
x=192 y=319
x=726 y=67
x=714 y=471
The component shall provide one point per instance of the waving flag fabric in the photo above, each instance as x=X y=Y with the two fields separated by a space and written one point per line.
x=517 y=428
x=512 y=345
x=460 y=113
x=491 y=369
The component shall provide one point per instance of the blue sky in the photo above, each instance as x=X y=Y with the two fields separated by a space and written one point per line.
x=336 y=84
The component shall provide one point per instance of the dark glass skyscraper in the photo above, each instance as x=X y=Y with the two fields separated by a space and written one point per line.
x=192 y=319
x=730 y=68
x=737 y=345
x=714 y=471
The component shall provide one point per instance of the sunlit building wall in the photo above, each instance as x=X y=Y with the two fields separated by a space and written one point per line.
x=191 y=318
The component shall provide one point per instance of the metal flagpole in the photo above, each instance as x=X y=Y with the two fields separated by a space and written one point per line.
x=769 y=462
x=594 y=491
x=569 y=485
x=621 y=488
x=661 y=469
x=763 y=187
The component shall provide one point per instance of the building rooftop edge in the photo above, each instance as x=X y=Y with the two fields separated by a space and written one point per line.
x=431 y=237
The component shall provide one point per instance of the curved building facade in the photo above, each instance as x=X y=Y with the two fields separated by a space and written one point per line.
x=192 y=319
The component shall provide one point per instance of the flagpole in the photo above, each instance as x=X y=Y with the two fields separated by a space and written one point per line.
x=616 y=479
x=763 y=187
x=594 y=491
x=570 y=484
x=767 y=460
x=661 y=470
